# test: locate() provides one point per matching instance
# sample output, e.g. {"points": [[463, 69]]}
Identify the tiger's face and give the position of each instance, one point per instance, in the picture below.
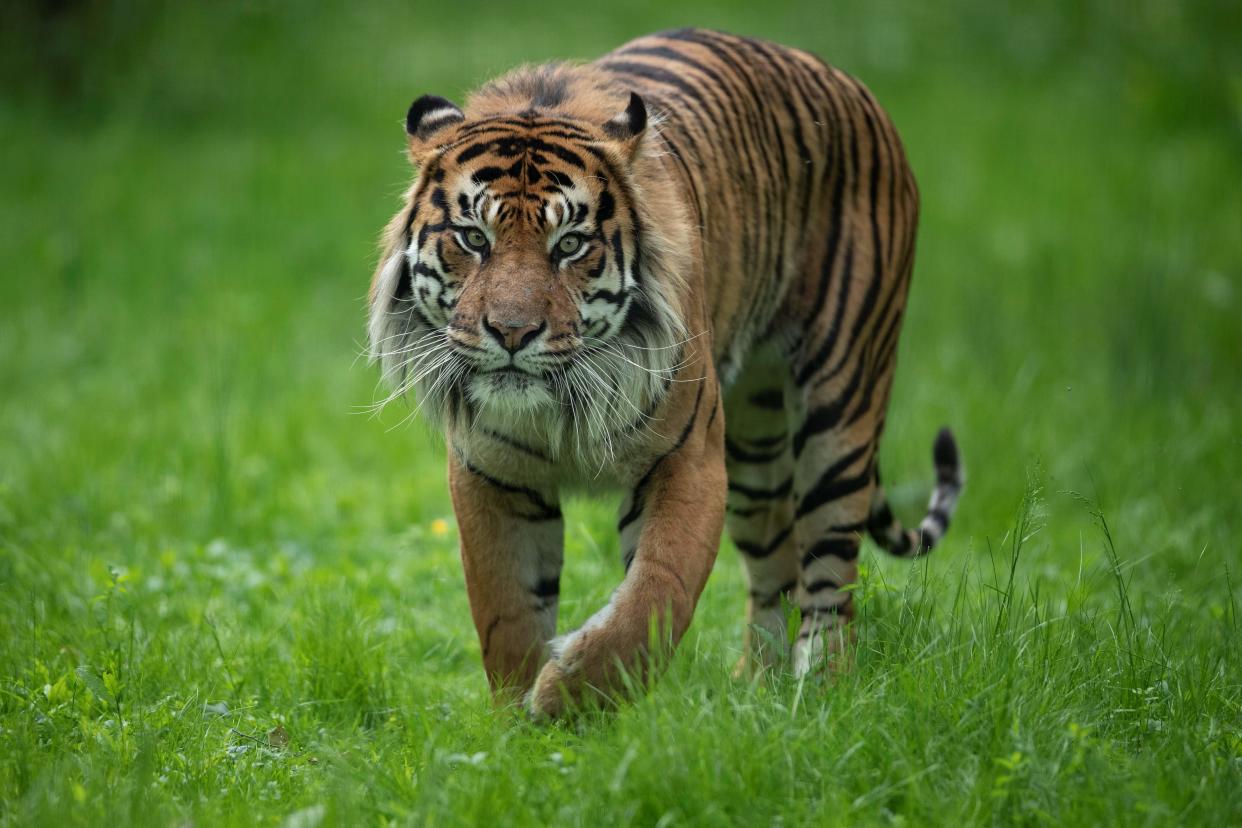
{"points": [[519, 256], [514, 281]]}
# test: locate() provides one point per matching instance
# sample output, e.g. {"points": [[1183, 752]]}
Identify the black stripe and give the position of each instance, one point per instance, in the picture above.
{"points": [[775, 598], [618, 252], [606, 206], [828, 491], [831, 486], [544, 510], [566, 155], [939, 517], [715, 408], [813, 363], [423, 269], [516, 445], [611, 297], [857, 527], [742, 455], [812, 610], [860, 406], [881, 519], [824, 417], [775, 441], [750, 493], [559, 178], [761, 551], [770, 398], [627, 194], [640, 489], [844, 548], [839, 168], [547, 588], [486, 175], [472, 152], [405, 283]]}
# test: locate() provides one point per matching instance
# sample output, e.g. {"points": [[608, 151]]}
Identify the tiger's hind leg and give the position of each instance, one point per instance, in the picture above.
{"points": [[850, 303], [760, 510], [839, 405], [834, 449]]}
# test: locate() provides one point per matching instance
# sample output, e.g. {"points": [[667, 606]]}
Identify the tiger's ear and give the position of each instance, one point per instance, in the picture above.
{"points": [[427, 117], [629, 125]]}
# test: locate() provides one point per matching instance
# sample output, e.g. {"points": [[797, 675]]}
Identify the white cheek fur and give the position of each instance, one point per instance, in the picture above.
{"points": [[381, 325]]}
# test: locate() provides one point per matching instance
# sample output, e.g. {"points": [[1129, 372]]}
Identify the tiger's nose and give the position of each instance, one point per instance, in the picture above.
{"points": [[512, 334]]}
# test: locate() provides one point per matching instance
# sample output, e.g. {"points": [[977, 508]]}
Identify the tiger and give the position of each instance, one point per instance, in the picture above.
{"points": [[677, 273]]}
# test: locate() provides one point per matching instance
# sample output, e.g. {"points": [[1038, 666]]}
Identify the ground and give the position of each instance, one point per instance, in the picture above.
{"points": [[231, 595]]}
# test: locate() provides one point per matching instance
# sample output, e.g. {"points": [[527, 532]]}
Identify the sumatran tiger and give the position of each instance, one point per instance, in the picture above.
{"points": [[679, 272]]}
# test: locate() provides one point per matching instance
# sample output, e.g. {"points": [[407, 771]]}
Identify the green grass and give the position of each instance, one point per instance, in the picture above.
{"points": [[202, 538]]}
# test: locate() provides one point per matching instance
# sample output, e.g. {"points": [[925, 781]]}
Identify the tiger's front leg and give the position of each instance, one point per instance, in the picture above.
{"points": [[511, 549], [676, 512]]}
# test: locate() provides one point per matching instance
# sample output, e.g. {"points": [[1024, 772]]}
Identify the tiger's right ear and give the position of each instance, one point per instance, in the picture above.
{"points": [[426, 117]]}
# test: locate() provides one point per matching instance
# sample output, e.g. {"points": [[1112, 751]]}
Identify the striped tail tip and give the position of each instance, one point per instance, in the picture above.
{"points": [[945, 455], [887, 530], [949, 482]]}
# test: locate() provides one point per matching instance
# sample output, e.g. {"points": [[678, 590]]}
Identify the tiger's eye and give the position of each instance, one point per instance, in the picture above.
{"points": [[476, 238], [570, 244]]}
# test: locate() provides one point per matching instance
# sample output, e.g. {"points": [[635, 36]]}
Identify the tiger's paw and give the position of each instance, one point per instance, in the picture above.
{"points": [[608, 659], [560, 682], [824, 652], [583, 669], [548, 698]]}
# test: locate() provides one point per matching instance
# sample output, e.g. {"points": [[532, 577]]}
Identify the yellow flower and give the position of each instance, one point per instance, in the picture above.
{"points": [[439, 527]]}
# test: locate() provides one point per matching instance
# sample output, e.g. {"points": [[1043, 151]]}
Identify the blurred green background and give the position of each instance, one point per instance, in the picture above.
{"points": [[195, 505]]}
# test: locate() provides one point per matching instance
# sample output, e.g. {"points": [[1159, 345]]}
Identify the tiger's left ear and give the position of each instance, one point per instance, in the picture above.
{"points": [[427, 117], [629, 125]]}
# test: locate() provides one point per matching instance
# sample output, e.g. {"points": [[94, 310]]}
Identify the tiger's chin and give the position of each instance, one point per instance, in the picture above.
{"points": [[510, 390]]}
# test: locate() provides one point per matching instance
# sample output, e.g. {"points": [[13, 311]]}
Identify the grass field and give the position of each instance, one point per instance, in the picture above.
{"points": [[205, 540]]}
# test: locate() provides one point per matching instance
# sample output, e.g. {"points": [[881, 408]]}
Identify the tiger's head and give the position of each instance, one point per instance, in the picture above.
{"points": [[532, 274]]}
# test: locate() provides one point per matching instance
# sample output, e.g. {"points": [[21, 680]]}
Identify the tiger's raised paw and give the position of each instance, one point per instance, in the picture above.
{"points": [[548, 698]]}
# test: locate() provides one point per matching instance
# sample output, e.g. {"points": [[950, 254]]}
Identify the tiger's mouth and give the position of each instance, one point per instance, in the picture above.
{"points": [[512, 376], [510, 387]]}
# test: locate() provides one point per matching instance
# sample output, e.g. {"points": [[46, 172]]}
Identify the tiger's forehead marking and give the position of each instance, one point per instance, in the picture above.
{"points": [[530, 156], [529, 170]]}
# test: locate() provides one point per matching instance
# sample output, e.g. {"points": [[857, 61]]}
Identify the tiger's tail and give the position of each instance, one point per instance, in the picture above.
{"points": [[887, 530]]}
